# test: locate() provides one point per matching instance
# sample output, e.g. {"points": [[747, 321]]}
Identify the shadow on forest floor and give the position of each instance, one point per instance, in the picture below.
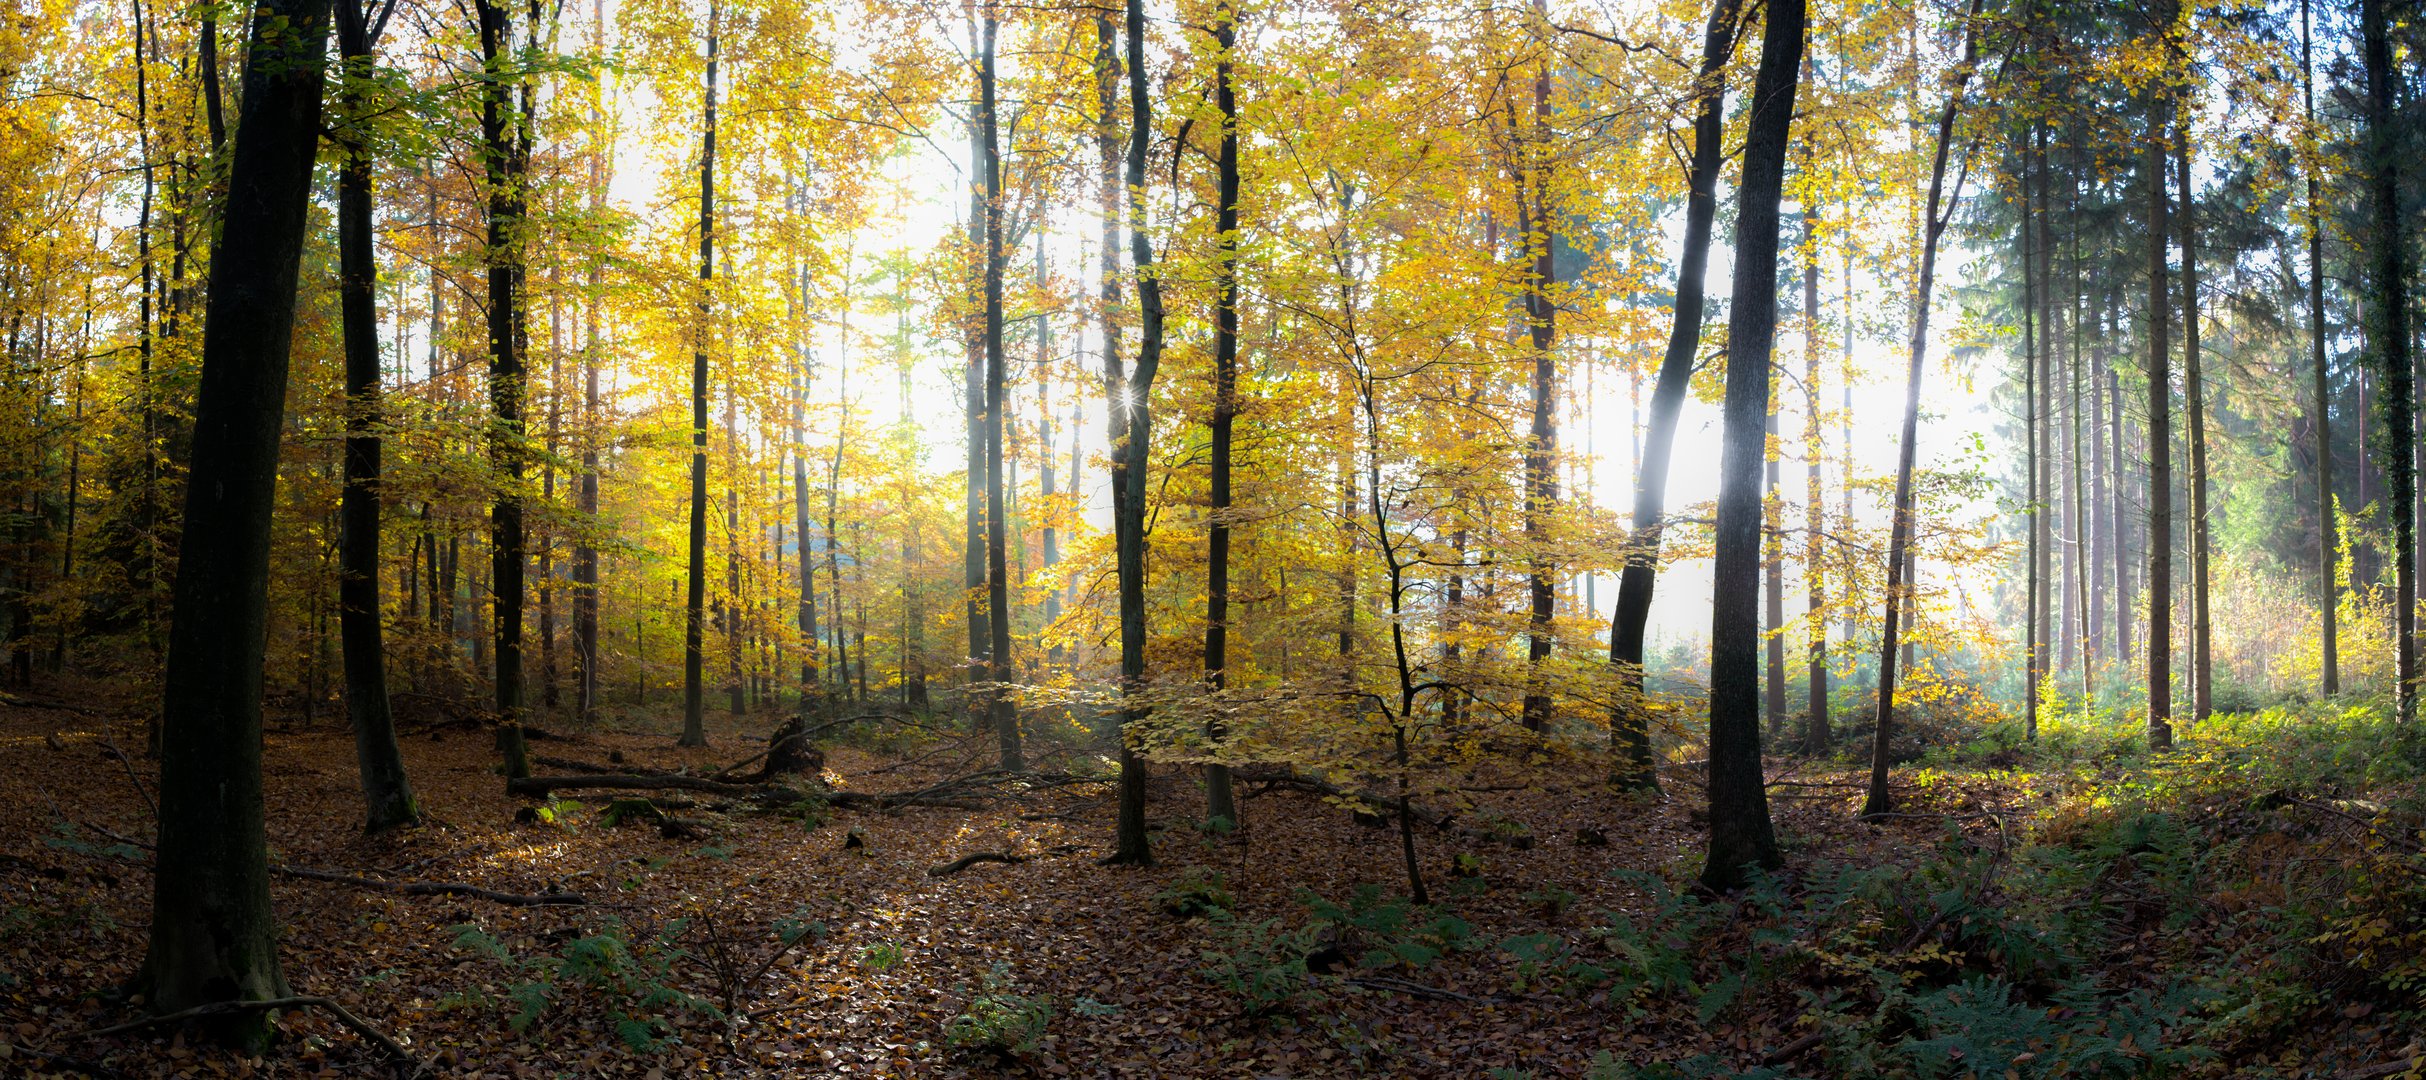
{"points": [[2251, 905]]}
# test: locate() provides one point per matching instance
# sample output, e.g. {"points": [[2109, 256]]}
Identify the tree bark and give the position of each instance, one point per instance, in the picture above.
{"points": [[1740, 834], [2202, 666], [2034, 655], [2388, 276], [2158, 316], [505, 157], [1220, 804], [694, 629], [387, 796], [1629, 721], [1003, 710], [1133, 426], [1541, 446], [1816, 736], [213, 937], [2329, 589], [1899, 535]]}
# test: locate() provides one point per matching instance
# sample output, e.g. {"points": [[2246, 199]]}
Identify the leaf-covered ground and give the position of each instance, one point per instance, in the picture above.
{"points": [[1254, 954]]}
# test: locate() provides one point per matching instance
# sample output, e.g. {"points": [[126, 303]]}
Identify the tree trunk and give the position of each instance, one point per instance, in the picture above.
{"points": [[1132, 414], [694, 629], [1740, 835], [1130, 845], [1219, 804], [1004, 710], [505, 154], [387, 797], [1629, 720], [2388, 277], [2202, 666], [1541, 446], [1816, 736], [2329, 589], [1899, 535], [2034, 655], [1773, 576], [2158, 315], [585, 551], [213, 937]]}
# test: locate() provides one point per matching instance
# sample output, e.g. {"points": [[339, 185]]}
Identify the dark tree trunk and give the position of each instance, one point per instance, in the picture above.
{"points": [[1219, 804], [1130, 845], [213, 937], [505, 155], [1629, 720], [812, 692], [1132, 414], [585, 550], [694, 627], [2329, 589], [2158, 317], [1899, 534], [2034, 655], [388, 798], [2202, 666], [1541, 446], [2121, 515], [2388, 280], [1740, 835]]}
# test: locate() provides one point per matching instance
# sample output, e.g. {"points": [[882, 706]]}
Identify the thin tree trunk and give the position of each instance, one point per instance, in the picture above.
{"points": [[694, 629], [1899, 535], [387, 797], [1004, 710], [213, 937], [1219, 804], [585, 551], [2034, 656], [1740, 834], [1773, 577], [1541, 447], [1816, 735], [2158, 316], [2202, 666], [1629, 720], [1129, 401], [2329, 589]]}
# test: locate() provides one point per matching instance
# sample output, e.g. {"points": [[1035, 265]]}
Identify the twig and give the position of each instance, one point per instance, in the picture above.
{"points": [[1794, 1049], [131, 777], [1419, 990], [89, 1068], [2395, 837], [2409, 1064], [343, 1015]]}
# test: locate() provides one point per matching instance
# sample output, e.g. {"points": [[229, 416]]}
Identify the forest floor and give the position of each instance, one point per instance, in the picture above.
{"points": [[1956, 940]]}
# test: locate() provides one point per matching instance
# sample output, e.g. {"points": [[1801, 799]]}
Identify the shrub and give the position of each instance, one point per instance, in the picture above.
{"points": [[998, 1022]]}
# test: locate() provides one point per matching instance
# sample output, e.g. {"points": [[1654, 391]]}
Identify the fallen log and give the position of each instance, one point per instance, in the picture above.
{"points": [[971, 859], [434, 888], [543, 786], [595, 769]]}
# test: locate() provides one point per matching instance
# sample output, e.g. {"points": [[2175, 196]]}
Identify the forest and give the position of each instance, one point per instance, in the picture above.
{"points": [[1265, 538]]}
